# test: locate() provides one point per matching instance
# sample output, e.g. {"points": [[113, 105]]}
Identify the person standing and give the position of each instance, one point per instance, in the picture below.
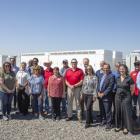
{"points": [[86, 64], [62, 73], [7, 88], [125, 88], [89, 93], [104, 91], [36, 86], [99, 74], [15, 69], [135, 97], [22, 78], [74, 78], [56, 90], [47, 73]]}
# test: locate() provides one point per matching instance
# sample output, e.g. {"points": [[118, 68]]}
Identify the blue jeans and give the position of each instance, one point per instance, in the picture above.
{"points": [[37, 103], [46, 102], [6, 103], [1, 96]]}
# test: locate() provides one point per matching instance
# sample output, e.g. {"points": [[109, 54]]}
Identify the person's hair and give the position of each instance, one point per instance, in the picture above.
{"points": [[136, 63], [93, 72], [107, 65], [126, 68], [24, 63], [86, 59], [3, 67], [57, 68], [74, 60], [30, 62], [35, 59], [117, 63], [37, 68]]}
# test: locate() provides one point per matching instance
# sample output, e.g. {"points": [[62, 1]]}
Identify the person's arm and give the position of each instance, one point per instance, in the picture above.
{"points": [[79, 84], [67, 83], [14, 87], [27, 79], [132, 89], [138, 81], [81, 80], [48, 88], [95, 88], [64, 87], [3, 86], [29, 85], [132, 86]]}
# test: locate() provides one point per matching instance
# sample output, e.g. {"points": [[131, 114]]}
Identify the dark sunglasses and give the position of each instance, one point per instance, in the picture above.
{"points": [[7, 65]]}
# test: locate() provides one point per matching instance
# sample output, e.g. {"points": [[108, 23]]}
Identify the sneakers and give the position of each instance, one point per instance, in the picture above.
{"points": [[41, 117], [9, 117], [5, 118]]}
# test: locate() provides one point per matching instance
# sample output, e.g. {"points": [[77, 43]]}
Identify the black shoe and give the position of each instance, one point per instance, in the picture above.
{"points": [[69, 119], [108, 128], [87, 126]]}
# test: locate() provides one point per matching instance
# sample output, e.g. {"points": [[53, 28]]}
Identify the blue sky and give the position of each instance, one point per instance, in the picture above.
{"points": [[52, 25]]}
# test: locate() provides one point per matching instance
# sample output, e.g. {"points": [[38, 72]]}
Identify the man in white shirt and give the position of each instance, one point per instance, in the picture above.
{"points": [[22, 78]]}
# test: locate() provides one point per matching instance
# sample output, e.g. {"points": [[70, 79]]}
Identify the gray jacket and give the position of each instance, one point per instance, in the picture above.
{"points": [[89, 85]]}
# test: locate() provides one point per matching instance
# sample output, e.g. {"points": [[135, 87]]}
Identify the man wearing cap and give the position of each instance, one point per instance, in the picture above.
{"points": [[15, 69], [62, 73], [74, 78], [134, 75], [47, 73]]}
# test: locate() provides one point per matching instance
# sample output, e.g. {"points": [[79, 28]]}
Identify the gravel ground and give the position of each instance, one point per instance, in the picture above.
{"points": [[28, 128]]}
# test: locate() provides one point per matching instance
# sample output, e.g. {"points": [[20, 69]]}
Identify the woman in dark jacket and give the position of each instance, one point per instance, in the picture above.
{"points": [[125, 88]]}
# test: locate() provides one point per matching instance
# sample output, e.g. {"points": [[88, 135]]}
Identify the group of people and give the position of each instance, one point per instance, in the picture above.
{"points": [[117, 92]]}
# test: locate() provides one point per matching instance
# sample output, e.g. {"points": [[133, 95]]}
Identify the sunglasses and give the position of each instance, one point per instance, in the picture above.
{"points": [[7, 65], [89, 69]]}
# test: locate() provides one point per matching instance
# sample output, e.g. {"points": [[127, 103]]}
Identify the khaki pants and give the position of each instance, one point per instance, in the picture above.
{"points": [[71, 94]]}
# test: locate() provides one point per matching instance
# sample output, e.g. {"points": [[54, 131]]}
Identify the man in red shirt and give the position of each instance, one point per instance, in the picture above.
{"points": [[133, 75], [47, 73], [74, 78]]}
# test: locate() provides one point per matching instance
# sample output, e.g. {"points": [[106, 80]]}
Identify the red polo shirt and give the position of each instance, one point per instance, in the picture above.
{"points": [[74, 76], [47, 74], [133, 75]]}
